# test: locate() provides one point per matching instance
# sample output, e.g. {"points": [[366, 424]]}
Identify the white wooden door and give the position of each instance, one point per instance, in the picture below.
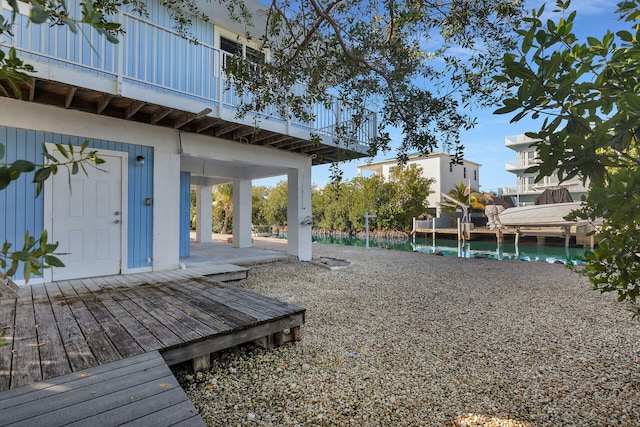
{"points": [[86, 220]]}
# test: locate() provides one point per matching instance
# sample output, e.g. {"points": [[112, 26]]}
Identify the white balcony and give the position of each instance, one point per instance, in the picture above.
{"points": [[518, 140], [156, 76]]}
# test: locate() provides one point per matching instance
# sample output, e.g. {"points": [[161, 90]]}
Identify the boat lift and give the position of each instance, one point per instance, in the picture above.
{"points": [[464, 226]]}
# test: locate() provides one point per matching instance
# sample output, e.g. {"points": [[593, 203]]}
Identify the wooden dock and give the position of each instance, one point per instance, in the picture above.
{"points": [[74, 326], [512, 233]]}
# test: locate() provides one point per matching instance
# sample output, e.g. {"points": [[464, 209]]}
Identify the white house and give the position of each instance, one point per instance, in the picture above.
{"points": [[157, 108], [526, 189], [436, 166]]}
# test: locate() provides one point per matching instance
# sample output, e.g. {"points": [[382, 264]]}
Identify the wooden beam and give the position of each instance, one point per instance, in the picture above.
{"points": [[159, 115], [205, 124], [261, 136], [277, 139], [133, 108], [175, 355], [243, 132], [189, 117], [68, 97], [221, 130], [103, 102], [201, 363], [286, 143]]}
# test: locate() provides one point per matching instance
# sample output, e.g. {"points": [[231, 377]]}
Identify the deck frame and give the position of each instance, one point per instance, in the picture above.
{"points": [[74, 325]]}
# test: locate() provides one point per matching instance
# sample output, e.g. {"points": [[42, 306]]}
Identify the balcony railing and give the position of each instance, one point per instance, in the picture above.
{"points": [[520, 165], [158, 59], [537, 188], [515, 140]]}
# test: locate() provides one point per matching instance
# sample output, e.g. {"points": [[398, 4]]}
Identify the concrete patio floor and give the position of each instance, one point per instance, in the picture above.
{"points": [[219, 251]]}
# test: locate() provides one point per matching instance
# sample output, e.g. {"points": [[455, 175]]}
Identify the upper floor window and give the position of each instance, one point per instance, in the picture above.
{"points": [[450, 167], [475, 175], [464, 172], [235, 47], [230, 46]]}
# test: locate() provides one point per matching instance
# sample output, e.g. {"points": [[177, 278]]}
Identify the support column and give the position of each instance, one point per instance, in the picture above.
{"points": [[166, 212], [299, 213], [242, 213], [204, 199]]}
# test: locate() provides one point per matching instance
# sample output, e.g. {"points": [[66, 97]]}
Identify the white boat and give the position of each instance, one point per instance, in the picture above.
{"points": [[551, 215]]}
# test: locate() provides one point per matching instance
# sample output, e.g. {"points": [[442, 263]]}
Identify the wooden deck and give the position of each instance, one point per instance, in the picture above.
{"points": [[71, 326], [139, 390]]}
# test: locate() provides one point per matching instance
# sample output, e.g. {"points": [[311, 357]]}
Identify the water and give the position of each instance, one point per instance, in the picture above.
{"points": [[528, 251]]}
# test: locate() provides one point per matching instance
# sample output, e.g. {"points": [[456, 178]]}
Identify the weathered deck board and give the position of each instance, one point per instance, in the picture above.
{"points": [[7, 320], [143, 337], [140, 311], [74, 325], [127, 346], [131, 390], [52, 353], [25, 365], [77, 350], [102, 348], [154, 293]]}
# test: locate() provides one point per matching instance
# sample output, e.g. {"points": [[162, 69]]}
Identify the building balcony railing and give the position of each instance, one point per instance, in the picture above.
{"points": [[518, 166], [573, 186], [516, 140], [155, 64]]}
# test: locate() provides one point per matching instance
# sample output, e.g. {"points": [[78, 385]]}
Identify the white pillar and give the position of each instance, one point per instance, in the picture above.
{"points": [[299, 213], [204, 198], [242, 213], [166, 212]]}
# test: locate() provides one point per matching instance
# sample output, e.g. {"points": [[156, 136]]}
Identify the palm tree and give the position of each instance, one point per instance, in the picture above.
{"points": [[473, 199], [223, 199]]}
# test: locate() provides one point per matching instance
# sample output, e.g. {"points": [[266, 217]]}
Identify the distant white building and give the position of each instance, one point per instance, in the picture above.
{"points": [[527, 189], [436, 166]]}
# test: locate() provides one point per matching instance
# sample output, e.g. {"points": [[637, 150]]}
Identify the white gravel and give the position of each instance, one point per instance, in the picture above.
{"points": [[411, 339]]}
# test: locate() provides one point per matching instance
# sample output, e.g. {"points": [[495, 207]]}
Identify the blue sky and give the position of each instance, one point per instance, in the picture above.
{"points": [[485, 143]]}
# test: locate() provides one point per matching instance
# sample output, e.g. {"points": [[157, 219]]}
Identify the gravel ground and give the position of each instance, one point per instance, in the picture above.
{"points": [[411, 339]]}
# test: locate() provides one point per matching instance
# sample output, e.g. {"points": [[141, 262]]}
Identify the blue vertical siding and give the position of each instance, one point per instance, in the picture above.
{"points": [[185, 213], [21, 210]]}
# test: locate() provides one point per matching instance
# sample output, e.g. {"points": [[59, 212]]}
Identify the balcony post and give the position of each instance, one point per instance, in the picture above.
{"points": [[120, 47], [299, 223]]}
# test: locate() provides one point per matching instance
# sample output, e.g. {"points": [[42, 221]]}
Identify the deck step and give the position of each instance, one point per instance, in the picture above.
{"points": [[138, 390], [218, 272]]}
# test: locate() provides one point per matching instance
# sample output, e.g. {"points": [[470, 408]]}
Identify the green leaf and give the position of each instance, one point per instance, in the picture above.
{"points": [[22, 166], [53, 261], [38, 14], [42, 175], [21, 255], [62, 150], [5, 177], [633, 101], [27, 271]]}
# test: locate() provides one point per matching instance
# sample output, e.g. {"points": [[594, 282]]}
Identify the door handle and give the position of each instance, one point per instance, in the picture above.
{"points": [[117, 221]]}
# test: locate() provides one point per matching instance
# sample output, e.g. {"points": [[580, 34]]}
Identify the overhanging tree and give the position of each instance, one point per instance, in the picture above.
{"points": [[399, 57], [588, 92]]}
